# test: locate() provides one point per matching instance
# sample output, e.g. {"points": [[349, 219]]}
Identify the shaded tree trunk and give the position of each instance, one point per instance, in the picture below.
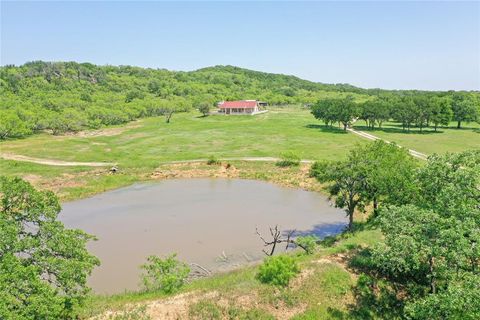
{"points": [[351, 209], [459, 123], [375, 206], [168, 116]]}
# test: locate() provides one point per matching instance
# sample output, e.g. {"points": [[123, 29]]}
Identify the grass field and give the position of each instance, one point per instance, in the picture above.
{"points": [[189, 136], [139, 148], [428, 141]]}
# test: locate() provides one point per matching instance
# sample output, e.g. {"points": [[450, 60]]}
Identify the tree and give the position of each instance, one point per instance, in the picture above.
{"points": [[405, 111], [414, 247], [329, 111], [69, 120], [465, 109], [441, 112], [458, 301], [423, 111], [430, 252], [43, 266], [347, 111], [204, 108], [374, 112], [134, 94], [11, 125], [389, 173], [168, 107], [325, 110], [346, 184], [374, 173]]}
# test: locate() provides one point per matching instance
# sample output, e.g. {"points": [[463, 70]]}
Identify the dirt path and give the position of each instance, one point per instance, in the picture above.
{"points": [[53, 162], [369, 136], [264, 159]]}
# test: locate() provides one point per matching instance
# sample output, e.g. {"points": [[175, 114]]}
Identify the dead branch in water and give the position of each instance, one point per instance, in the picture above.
{"points": [[197, 271], [276, 235]]}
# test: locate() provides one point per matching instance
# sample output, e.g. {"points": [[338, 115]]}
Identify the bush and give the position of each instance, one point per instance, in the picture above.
{"points": [[278, 270], [212, 160], [205, 310], [307, 243], [166, 275], [204, 108], [288, 159]]}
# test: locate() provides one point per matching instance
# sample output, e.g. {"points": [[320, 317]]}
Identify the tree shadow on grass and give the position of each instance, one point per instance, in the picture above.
{"points": [[398, 129], [324, 128], [374, 297], [320, 230]]}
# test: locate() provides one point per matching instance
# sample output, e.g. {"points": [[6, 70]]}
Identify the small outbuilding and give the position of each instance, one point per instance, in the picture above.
{"points": [[250, 107]]}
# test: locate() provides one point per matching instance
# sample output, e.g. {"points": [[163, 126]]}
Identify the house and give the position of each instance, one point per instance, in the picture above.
{"points": [[250, 107]]}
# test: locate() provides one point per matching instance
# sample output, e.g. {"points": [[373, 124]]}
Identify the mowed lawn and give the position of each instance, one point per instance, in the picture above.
{"points": [[428, 141], [190, 136]]}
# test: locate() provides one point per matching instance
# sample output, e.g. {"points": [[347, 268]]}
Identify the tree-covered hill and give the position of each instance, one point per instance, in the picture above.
{"points": [[69, 96]]}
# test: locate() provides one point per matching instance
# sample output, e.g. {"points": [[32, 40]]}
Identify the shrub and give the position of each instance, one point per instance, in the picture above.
{"points": [[278, 270], [288, 159], [212, 160], [205, 309], [166, 275], [204, 108], [307, 243]]}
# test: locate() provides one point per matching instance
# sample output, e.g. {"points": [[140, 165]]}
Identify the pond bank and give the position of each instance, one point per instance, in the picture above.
{"points": [[78, 183], [208, 221]]}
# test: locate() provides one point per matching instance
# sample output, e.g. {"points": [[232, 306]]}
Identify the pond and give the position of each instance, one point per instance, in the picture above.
{"points": [[210, 222]]}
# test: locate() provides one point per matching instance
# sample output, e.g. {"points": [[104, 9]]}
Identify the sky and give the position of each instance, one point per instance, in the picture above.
{"points": [[391, 45]]}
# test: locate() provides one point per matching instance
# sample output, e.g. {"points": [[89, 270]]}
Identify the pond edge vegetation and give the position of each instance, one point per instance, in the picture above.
{"points": [[393, 280]]}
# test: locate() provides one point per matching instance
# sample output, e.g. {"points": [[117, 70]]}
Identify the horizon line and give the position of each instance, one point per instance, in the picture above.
{"points": [[229, 65]]}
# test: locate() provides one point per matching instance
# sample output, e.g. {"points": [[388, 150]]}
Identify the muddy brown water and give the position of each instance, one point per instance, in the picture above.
{"points": [[210, 222]]}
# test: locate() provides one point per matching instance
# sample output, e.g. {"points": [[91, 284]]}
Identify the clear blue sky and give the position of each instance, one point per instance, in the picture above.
{"points": [[402, 45]]}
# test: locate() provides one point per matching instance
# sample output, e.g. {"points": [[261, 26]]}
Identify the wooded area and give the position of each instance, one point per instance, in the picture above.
{"points": [[64, 97]]}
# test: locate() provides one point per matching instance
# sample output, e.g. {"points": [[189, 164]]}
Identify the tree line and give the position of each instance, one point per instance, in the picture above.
{"points": [[60, 97], [420, 110], [427, 266]]}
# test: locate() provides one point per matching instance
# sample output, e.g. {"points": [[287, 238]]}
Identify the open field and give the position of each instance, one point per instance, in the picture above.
{"points": [[142, 148], [429, 142], [189, 136]]}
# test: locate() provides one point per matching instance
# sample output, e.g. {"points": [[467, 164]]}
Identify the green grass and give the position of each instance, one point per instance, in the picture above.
{"points": [[190, 136], [428, 141], [139, 148]]}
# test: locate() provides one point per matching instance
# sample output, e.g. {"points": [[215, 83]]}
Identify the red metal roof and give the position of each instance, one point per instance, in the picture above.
{"points": [[242, 104]]}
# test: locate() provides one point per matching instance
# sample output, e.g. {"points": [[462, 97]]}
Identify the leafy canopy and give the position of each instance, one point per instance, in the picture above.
{"points": [[43, 266], [431, 251], [278, 270], [373, 173], [166, 275]]}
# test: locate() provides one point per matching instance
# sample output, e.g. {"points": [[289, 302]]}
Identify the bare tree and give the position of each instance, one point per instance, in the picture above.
{"points": [[278, 238]]}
